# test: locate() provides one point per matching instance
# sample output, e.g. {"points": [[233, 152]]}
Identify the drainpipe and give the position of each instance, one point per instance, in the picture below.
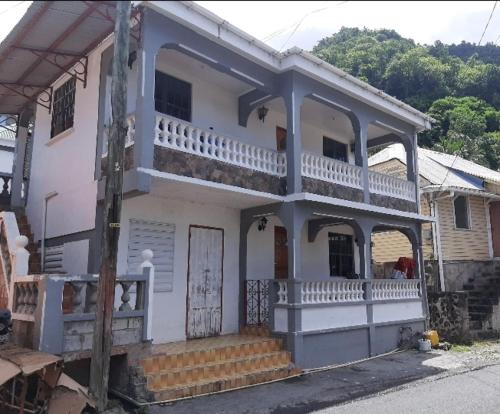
{"points": [[436, 231], [44, 228], [488, 227]]}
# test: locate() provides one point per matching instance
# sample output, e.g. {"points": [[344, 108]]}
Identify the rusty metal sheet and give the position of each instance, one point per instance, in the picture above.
{"points": [[8, 370], [27, 360], [69, 397]]}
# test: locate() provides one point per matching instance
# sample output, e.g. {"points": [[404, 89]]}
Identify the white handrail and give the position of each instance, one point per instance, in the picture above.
{"points": [[182, 136], [390, 185], [332, 291], [392, 289], [331, 170]]}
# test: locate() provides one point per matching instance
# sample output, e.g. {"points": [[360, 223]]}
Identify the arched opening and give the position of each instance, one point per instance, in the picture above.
{"points": [[390, 153], [394, 254]]}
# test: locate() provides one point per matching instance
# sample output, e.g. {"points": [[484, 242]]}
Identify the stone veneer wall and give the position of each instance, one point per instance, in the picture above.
{"points": [[394, 203], [129, 160], [449, 315], [188, 165], [311, 185]]}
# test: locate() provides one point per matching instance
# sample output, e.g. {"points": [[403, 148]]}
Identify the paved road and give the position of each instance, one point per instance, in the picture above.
{"points": [[472, 392], [315, 391]]}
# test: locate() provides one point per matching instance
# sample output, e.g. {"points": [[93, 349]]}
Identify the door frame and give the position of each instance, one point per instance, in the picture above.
{"points": [[189, 273]]}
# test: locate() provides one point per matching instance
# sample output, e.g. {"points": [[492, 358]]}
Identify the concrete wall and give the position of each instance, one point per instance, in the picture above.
{"points": [[169, 313], [65, 163]]}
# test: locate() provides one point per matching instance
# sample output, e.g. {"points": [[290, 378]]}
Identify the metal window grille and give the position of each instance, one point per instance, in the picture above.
{"points": [[63, 108]]}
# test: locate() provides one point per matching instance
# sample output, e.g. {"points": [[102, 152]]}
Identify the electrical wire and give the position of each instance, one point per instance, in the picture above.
{"points": [[488, 22], [12, 7], [295, 25]]}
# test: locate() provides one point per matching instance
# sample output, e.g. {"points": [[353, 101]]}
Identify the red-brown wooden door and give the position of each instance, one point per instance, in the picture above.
{"points": [[280, 138], [495, 227], [280, 253]]}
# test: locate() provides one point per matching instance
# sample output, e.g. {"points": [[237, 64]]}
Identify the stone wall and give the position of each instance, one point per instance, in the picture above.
{"points": [[311, 185], [188, 165], [391, 202], [449, 315]]}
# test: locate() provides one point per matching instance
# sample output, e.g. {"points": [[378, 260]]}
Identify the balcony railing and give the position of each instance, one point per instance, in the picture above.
{"points": [[182, 136], [331, 170], [384, 289], [391, 186]]}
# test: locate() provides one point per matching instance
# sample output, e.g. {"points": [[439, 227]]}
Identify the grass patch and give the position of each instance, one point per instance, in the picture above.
{"points": [[477, 344]]}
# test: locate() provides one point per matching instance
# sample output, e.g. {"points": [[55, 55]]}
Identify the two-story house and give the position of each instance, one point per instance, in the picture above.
{"points": [[246, 174]]}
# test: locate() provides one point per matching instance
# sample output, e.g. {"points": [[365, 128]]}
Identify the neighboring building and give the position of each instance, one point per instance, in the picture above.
{"points": [[464, 240], [246, 174]]}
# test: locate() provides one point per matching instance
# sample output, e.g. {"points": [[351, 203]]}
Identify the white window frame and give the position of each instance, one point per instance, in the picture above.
{"points": [[469, 216]]}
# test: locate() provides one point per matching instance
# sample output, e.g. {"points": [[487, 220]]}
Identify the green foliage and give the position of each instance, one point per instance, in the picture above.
{"points": [[458, 85]]}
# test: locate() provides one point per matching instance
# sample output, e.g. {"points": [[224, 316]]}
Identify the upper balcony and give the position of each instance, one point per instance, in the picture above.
{"points": [[185, 149], [190, 118]]}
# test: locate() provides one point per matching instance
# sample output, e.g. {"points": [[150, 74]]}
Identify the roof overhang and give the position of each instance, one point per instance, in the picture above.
{"points": [[52, 38], [431, 189]]}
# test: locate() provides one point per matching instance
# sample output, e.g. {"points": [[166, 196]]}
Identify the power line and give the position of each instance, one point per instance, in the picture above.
{"points": [[12, 7], [295, 25], [488, 22]]}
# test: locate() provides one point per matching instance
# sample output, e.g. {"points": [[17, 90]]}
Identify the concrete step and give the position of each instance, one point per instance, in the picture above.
{"points": [[247, 346], [216, 371], [223, 384]]}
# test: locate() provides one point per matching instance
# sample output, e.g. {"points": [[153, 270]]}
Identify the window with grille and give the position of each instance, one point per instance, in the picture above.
{"points": [[172, 96], [341, 255], [461, 207], [63, 107]]}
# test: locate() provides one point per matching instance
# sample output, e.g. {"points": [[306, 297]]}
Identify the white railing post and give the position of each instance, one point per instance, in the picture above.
{"points": [[147, 264], [21, 257]]}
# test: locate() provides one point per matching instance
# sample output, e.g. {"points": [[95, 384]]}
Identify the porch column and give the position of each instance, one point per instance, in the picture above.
{"points": [[365, 263], [418, 256], [361, 154], [293, 217], [246, 221], [20, 158], [145, 108], [293, 96]]}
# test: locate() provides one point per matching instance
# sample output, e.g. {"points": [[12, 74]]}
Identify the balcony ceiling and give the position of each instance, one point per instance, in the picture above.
{"points": [[50, 38]]}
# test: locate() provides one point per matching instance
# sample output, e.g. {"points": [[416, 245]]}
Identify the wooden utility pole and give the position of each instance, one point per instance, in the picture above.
{"points": [[101, 347]]}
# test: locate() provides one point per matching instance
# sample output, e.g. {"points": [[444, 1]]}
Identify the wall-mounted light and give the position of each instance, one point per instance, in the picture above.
{"points": [[262, 224], [262, 112]]}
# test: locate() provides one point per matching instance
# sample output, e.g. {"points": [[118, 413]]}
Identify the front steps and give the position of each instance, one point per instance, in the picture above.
{"points": [[201, 366]]}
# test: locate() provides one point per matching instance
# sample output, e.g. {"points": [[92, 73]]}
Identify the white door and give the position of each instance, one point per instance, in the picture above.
{"points": [[204, 304]]}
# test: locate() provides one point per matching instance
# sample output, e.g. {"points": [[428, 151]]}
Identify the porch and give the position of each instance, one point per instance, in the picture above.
{"points": [[217, 116]]}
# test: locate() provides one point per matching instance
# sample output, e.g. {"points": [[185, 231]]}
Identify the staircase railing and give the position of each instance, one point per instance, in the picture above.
{"points": [[57, 329]]}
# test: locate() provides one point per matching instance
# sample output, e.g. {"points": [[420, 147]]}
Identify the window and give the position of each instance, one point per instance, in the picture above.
{"points": [[461, 207], [63, 107], [334, 149], [172, 96], [341, 255]]}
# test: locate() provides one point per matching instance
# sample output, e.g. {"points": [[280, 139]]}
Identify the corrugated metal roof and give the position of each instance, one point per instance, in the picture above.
{"points": [[465, 166], [435, 172], [68, 29]]}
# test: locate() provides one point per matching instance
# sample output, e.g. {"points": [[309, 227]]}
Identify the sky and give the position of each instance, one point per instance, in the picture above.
{"points": [[424, 22]]}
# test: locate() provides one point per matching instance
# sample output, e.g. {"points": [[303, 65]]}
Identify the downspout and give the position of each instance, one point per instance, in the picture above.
{"points": [[488, 227], [44, 228], [436, 230]]}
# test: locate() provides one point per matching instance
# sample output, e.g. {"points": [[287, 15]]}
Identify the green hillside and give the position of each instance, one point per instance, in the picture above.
{"points": [[458, 85]]}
